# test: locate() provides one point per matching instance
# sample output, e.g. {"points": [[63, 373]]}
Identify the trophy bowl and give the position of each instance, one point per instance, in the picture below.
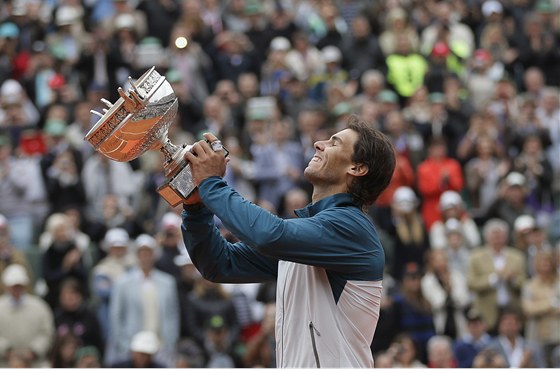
{"points": [[138, 122]]}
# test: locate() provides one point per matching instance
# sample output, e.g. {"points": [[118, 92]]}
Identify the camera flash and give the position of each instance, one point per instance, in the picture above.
{"points": [[181, 42]]}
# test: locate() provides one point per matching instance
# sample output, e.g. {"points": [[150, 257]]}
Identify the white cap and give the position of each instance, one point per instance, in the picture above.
{"points": [[453, 225], [145, 342], [11, 87], [147, 241], [170, 220], [450, 199], [3, 221], [331, 54], [405, 199], [524, 223], [15, 274], [67, 15], [280, 43], [116, 237], [491, 6], [515, 179], [125, 21]]}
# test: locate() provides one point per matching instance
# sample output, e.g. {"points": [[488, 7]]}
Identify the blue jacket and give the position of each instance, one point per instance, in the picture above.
{"points": [[328, 264]]}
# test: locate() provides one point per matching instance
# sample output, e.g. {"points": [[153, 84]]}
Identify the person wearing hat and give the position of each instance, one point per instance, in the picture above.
{"points": [[87, 357], [144, 299], [26, 321], [530, 237], [144, 345], [456, 248], [511, 200], [496, 272], [466, 347], [408, 230], [109, 270], [8, 253], [451, 205]]}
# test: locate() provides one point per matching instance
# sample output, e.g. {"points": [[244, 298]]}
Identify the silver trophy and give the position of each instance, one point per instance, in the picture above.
{"points": [[138, 122]]}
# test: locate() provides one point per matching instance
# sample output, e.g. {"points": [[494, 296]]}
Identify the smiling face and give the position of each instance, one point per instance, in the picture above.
{"points": [[332, 160]]}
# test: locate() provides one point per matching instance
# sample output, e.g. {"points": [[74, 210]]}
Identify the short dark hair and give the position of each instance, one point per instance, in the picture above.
{"points": [[375, 150]]}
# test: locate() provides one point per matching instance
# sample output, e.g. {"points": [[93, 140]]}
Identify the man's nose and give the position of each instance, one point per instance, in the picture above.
{"points": [[320, 145]]}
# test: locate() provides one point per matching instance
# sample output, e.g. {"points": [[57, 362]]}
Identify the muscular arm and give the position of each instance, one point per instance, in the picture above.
{"points": [[336, 232]]}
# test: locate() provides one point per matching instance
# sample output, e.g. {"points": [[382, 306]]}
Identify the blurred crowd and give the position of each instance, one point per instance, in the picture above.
{"points": [[93, 269]]}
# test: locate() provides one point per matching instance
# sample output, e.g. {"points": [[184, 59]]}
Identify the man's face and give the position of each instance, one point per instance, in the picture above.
{"points": [[332, 159]]}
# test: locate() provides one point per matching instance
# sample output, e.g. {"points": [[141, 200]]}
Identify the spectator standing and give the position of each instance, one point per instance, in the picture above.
{"points": [[517, 351], [496, 272], [26, 321], [467, 347], [144, 299]]}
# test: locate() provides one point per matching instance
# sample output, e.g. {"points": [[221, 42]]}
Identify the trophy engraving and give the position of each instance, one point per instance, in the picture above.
{"points": [[138, 122]]}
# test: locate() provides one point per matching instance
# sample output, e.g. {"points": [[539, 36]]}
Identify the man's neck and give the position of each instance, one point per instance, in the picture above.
{"points": [[320, 193]]}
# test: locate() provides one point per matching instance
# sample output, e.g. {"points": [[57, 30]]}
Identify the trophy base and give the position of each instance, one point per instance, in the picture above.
{"points": [[178, 187]]}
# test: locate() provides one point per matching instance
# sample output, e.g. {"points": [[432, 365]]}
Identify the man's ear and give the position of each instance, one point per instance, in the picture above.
{"points": [[358, 170]]}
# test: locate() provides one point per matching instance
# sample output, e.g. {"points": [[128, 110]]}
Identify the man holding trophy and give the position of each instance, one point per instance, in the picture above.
{"points": [[328, 262]]}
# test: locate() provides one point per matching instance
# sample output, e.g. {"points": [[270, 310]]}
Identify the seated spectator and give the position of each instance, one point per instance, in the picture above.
{"points": [[517, 351], [26, 321], [496, 272], [404, 352], [456, 249], [451, 205], [511, 200], [73, 316], [64, 350], [144, 299], [530, 238], [467, 347], [440, 353], [447, 293], [489, 359], [540, 300]]}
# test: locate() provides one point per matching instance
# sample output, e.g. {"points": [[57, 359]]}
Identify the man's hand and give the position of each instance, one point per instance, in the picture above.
{"points": [[205, 162]]}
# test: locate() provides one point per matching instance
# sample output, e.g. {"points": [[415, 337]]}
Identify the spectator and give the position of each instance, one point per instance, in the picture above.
{"points": [[144, 299], [397, 24], [510, 202], [540, 299], [413, 311], [87, 357], [451, 205], [404, 352], [64, 351], [489, 359], [467, 347], [530, 238], [447, 293], [440, 353], [74, 317], [26, 321], [456, 249], [496, 272], [437, 174], [108, 271], [516, 350], [407, 229]]}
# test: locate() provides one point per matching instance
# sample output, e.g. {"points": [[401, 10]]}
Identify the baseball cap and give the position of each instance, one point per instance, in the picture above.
{"points": [[405, 199], [67, 15], [147, 241], [331, 54], [280, 43], [482, 55], [490, 7], [116, 237], [170, 220], [216, 322], [450, 199], [515, 179], [15, 274], [524, 223], [145, 342]]}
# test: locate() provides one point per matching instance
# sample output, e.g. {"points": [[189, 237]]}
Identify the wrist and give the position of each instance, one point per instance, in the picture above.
{"points": [[193, 208]]}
